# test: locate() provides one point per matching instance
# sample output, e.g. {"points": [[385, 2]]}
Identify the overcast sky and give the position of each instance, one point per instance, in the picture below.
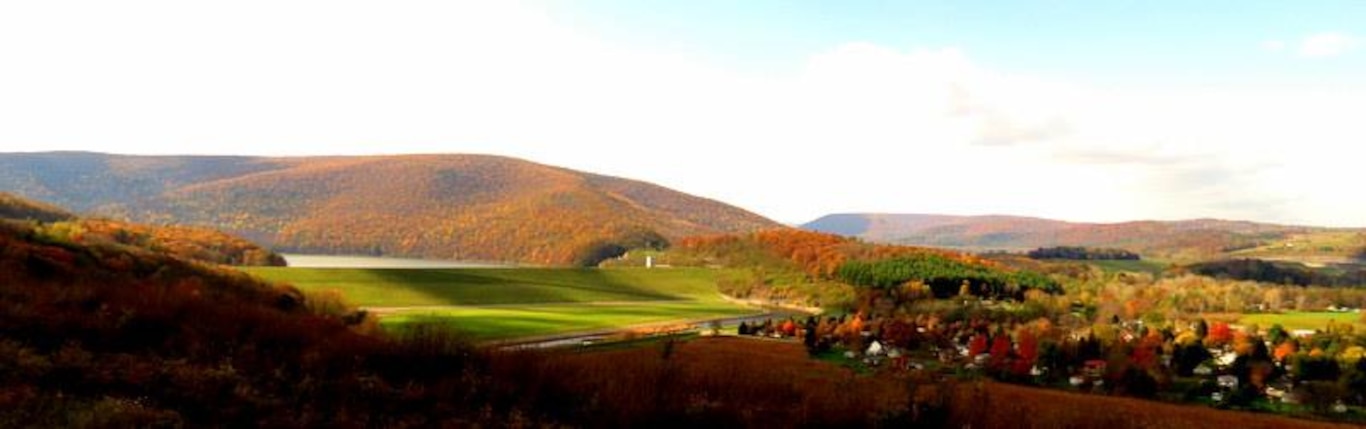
{"points": [[792, 109]]}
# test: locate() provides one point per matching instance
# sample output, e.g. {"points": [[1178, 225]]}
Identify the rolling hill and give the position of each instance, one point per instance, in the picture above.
{"points": [[471, 207], [1172, 240]]}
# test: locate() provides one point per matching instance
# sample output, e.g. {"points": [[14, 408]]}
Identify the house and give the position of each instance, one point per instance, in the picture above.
{"points": [[875, 349], [982, 359], [1228, 382], [1095, 368], [1225, 359], [1274, 393]]}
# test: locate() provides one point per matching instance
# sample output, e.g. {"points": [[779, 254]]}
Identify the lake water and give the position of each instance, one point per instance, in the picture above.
{"points": [[344, 261]]}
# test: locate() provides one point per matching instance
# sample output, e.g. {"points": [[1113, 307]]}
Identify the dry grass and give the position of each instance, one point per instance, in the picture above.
{"points": [[993, 405]]}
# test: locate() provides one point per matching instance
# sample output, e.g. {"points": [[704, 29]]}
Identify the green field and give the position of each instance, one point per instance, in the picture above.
{"points": [[532, 320], [1140, 266], [1300, 319], [1319, 247], [493, 303]]}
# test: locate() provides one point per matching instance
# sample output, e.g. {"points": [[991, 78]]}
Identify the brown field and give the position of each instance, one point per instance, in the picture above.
{"points": [[733, 381], [1025, 407], [725, 381]]}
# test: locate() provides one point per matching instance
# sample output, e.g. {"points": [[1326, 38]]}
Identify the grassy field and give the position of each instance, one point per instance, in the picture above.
{"points": [[1315, 248], [1300, 319], [496, 303], [1141, 266], [532, 320], [500, 286]]}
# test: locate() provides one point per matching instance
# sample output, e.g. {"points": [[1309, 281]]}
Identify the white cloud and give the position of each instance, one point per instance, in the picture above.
{"points": [[1326, 45], [860, 127], [1273, 45]]}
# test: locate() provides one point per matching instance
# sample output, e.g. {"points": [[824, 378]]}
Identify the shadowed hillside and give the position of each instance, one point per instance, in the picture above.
{"points": [[1177, 240], [14, 207], [186, 242], [102, 335], [435, 206]]}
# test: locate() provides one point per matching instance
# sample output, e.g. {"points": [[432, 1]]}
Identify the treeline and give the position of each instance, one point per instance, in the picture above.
{"points": [[816, 254], [1082, 253], [945, 277], [1286, 273], [818, 269]]}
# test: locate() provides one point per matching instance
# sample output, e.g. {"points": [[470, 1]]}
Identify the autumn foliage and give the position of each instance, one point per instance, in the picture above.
{"points": [[466, 207], [816, 254], [15, 207]]}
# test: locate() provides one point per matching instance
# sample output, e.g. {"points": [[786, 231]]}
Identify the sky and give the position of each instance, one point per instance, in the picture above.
{"points": [[1074, 110]]}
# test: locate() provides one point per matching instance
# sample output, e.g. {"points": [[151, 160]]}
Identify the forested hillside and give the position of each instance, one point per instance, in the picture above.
{"points": [[105, 335], [15, 207], [817, 269], [185, 242], [1189, 240], [435, 206]]}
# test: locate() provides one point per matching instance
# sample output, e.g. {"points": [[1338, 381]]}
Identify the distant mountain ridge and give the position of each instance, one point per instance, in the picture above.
{"points": [[1177, 240], [476, 207]]}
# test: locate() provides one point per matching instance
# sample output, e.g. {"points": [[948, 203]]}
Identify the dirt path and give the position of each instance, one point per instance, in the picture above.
{"points": [[771, 304]]}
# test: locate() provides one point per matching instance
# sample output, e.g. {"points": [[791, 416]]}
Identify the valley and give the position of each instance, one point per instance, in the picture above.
{"points": [[553, 214], [1240, 333]]}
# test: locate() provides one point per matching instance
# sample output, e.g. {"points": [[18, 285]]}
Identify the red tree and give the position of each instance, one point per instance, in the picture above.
{"points": [[1000, 350], [977, 346], [1219, 334], [1028, 349]]}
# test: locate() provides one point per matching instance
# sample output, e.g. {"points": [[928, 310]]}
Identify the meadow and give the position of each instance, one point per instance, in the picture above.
{"points": [[1140, 266], [1301, 319], [500, 303]]}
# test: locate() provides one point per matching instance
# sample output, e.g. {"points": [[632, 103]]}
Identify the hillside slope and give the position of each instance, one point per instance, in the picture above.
{"points": [[1176, 240], [103, 335], [185, 242], [434, 206], [15, 207]]}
